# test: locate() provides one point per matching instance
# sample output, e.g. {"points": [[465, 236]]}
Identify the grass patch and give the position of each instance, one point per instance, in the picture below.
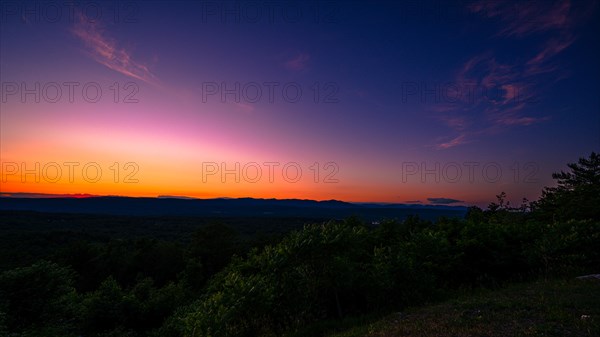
{"points": [[544, 308]]}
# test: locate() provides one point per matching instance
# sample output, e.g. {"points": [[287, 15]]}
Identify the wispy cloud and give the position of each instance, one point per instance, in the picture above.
{"points": [[499, 97], [458, 140], [521, 120], [105, 50], [298, 62], [552, 48], [443, 201], [506, 91], [522, 18]]}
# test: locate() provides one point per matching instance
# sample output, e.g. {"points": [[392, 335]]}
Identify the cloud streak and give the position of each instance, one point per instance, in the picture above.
{"points": [[524, 18], [458, 140], [105, 50], [443, 201], [506, 91]]}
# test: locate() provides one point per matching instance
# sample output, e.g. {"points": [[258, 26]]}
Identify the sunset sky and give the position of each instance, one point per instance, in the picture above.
{"points": [[405, 102]]}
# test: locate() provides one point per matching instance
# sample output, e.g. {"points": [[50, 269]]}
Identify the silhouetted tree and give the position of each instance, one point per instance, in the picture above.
{"points": [[38, 300], [577, 194], [214, 245]]}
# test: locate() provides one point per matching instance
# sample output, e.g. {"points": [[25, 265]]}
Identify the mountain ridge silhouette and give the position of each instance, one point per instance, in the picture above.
{"points": [[225, 207]]}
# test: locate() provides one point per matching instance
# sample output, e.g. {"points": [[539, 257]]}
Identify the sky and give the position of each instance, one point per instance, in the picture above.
{"points": [[432, 102]]}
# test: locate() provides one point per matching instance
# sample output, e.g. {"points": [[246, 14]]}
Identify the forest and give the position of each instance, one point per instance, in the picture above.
{"points": [[211, 278]]}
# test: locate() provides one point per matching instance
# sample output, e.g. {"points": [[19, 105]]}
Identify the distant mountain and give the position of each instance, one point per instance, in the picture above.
{"points": [[225, 207], [174, 197], [413, 206]]}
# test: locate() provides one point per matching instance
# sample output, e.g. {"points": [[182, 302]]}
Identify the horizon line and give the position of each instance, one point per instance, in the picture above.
{"points": [[34, 195]]}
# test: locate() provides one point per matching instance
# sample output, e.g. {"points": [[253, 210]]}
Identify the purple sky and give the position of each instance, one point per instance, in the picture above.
{"points": [[435, 101]]}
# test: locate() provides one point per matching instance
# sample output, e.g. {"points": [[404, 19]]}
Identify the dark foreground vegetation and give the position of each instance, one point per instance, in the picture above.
{"points": [[218, 283], [554, 308]]}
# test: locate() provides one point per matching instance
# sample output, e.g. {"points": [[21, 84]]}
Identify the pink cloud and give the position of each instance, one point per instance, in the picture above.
{"points": [[519, 121], [520, 19], [500, 94], [552, 47], [461, 139], [505, 91], [524, 121], [511, 91], [527, 17], [495, 84], [104, 50], [298, 63]]}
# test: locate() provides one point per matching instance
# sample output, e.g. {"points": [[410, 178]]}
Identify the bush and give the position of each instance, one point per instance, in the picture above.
{"points": [[39, 300]]}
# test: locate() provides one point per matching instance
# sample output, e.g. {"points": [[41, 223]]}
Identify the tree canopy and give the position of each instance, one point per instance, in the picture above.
{"points": [[577, 194]]}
